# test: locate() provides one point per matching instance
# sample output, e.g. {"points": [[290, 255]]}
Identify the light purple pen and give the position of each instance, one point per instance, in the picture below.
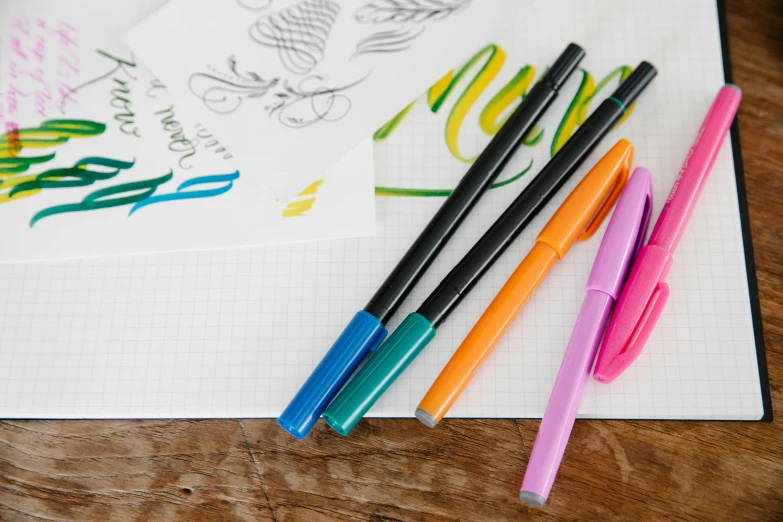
{"points": [[622, 240]]}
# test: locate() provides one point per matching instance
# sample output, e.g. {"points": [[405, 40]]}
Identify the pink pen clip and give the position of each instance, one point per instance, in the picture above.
{"points": [[646, 292], [622, 240]]}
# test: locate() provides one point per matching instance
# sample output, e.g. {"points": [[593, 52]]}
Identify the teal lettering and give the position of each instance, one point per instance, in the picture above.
{"points": [[116, 196], [77, 176], [181, 193]]}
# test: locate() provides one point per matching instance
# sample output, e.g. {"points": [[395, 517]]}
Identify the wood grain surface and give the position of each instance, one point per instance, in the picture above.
{"points": [[464, 470]]}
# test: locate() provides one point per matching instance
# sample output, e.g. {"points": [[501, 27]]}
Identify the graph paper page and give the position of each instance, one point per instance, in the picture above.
{"points": [[234, 333]]}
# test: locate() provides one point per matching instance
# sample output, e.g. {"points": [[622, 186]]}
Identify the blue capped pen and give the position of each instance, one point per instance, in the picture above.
{"points": [[366, 330]]}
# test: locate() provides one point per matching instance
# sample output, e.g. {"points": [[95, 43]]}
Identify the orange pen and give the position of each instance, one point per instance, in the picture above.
{"points": [[578, 218]]}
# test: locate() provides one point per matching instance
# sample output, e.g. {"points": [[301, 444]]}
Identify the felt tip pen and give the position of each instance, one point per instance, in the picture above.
{"points": [[418, 328], [578, 218], [622, 240], [646, 292], [366, 330]]}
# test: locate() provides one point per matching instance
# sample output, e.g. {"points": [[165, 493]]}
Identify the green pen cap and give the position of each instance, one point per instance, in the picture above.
{"points": [[379, 373]]}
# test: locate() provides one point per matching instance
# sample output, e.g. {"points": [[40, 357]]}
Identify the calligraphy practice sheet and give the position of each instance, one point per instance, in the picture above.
{"points": [[235, 333], [98, 158], [295, 84]]}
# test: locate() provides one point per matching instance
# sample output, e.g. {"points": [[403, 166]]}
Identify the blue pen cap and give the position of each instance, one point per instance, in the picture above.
{"points": [[362, 335]]}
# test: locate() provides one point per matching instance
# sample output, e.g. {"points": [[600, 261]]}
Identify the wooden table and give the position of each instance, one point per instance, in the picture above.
{"points": [[464, 470]]}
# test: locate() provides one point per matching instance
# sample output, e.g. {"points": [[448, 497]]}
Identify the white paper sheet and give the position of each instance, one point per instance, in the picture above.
{"points": [[296, 84], [235, 333], [70, 90]]}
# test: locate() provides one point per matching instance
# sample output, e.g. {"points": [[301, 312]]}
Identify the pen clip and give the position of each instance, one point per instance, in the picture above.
{"points": [[620, 173], [638, 308], [590, 201], [652, 308], [644, 327]]}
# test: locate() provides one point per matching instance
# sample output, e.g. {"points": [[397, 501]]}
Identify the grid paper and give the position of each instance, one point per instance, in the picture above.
{"points": [[234, 333]]}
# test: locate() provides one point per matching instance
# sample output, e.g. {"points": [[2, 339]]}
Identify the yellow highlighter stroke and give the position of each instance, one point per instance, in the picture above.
{"points": [[303, 202], [487, 63]]}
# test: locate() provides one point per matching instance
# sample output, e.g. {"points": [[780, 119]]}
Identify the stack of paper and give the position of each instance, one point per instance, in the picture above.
{"points": [[294, 84], [226, 125]]}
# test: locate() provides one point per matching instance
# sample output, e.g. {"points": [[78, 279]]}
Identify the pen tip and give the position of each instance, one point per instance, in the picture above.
{"points": [[426, 419], [735, 87], [534, 499]]}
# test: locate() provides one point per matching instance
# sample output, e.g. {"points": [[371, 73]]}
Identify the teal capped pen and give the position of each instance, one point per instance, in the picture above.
{"points": [[371, 382]]}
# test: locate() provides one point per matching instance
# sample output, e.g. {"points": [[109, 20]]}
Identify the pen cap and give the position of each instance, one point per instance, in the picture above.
{"points": [[565, 64], [633, 86], [624, 235], [383, 368], [363, 334], [640, 304], [582, 212]]}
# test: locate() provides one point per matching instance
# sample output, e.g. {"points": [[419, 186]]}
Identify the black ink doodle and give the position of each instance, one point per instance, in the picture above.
{"points": [[404, 11], [298, 33], [392, 41], [296, 105], [223, 93]]}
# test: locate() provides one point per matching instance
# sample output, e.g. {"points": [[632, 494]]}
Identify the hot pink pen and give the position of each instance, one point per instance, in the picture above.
{"points": [[646, 291], [623, 237]]}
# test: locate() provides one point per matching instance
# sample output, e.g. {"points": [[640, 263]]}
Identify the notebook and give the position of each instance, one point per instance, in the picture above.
{"points": [[234, 333]]}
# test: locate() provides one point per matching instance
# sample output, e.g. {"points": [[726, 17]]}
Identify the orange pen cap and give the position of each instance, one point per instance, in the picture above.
{"points": [[577, 219], [583, 211]]}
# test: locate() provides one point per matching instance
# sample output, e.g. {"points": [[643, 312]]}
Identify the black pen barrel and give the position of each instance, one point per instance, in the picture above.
{"points": [[529, 203], [473, 184]]}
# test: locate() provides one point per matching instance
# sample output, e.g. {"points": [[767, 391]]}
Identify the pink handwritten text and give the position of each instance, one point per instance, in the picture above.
{"points": [[41, 64]]}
